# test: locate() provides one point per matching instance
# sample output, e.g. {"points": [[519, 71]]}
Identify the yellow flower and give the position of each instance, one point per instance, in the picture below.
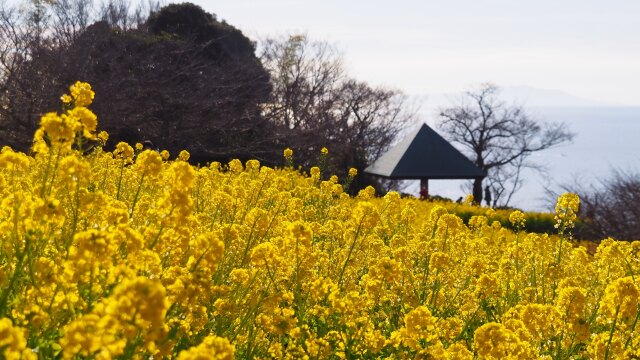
{"points": [[74, 169], [419, 329], [572, 301], [302, 232], [104, 136], [252, 165], [439, 260], [87, 118], [40, 145], [124, 151], [235, 166], [140, 304], [153, 259], [436, 212], [12, 160], [278, 321], [150, 163], [66, 99], [603, 343], [211, 348], [566, 209], [184, 155], [487, 287], [82, 93], [12, 341], [620, 299], [494, 341], [265, 255], [386, 269], [459, 352], [239, 276], [365, 215], [207, 250], [542, 321], [324, 151], [367, 193], [420, 322], [91, 334], [478, 222], [468, 199], [60, 129], [449, 225], [517, 219]]}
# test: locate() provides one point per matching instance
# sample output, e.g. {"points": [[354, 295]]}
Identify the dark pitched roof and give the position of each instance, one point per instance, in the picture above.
{"points": [[424, 154]]}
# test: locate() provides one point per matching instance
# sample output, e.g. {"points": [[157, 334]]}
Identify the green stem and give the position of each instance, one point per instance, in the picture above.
{"points": [[353, 245], [248, 246], [271, 276], [14, 277], [55, 170], [613, 328], [560, 249], [157, 237], [633, 327], [46, 174], [120, 180], [135, 198]]}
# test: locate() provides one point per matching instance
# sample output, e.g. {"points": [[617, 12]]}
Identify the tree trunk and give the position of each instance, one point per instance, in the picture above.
{"points": [[477, 191]]}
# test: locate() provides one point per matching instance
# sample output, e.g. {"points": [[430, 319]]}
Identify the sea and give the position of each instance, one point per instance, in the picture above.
{"points": [[607, 139]]}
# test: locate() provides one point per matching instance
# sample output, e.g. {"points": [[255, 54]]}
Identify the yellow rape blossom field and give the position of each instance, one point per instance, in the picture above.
{"points": [[129, 255]]}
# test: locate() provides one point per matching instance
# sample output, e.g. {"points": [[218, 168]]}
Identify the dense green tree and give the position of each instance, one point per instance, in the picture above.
{"points": [[196, 88], [182, 80]]}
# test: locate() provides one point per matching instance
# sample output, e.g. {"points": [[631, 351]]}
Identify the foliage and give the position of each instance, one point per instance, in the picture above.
{"points": [[127, 254], [179, 80], [537, 222], [499, 139]]}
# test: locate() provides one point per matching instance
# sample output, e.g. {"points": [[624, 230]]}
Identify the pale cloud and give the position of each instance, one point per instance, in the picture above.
{"points": [[588, 48]]}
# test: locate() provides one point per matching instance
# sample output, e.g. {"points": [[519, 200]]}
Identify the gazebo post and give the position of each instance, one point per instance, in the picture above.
{"points": [[424, 188], [477, 190]]}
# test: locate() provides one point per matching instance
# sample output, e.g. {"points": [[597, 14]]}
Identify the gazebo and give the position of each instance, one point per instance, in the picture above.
{"points": [[424, 155]]}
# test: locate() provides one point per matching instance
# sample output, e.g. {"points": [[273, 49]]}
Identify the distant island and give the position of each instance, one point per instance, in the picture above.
{"points": [[528, 96]]}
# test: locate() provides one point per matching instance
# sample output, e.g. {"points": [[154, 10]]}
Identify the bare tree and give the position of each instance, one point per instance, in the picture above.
{"points": [[505, 181], [499, 138], [70, 18], [609, 207], [305, 76], [121, 14], [316, 101], [372, 116], [23, 38], [34, 37]]}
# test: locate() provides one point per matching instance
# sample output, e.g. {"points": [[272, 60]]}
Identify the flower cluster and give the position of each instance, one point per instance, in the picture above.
{"points": [[517, 219], [566, 211], [128, 254]]}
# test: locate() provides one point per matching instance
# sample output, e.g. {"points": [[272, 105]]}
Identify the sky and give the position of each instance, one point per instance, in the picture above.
{"points": [[590, 49]]}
